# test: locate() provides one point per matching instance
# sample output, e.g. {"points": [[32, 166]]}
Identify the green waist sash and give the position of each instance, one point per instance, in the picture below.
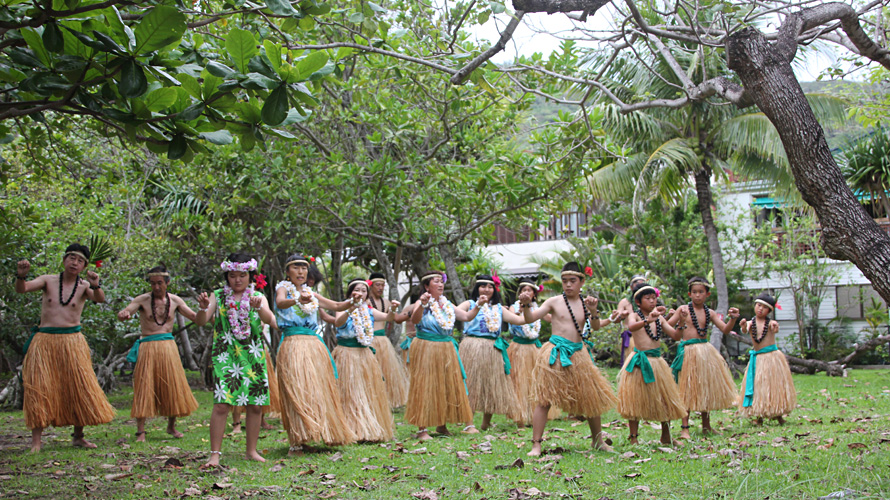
{"points": [[641, 359], [435, 337], [405, 345], [133, 355], [565, 348], [380, 333], [525, 341], [500, 344], [302, 330], [677, 365], [51, 330], [752, 369], [353, 342]]}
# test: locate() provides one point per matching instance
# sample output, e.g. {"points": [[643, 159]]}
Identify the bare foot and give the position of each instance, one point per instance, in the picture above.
{"points": [[758, 421], [254, 456], [443, 430], [424, 436], [672, 442], [633, 440], [81, 442], [212, 462], [780, 420], [236, 428], [684, 434], [175, 433], [140, 437], [267, 426], [35, 447], [710, 431], [536, 449], [470, 429], [599, 444], [295, 451]]}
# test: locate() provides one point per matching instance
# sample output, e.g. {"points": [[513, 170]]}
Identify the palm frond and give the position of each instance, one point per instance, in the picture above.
{"points": [[617, 180], [665, 174]]}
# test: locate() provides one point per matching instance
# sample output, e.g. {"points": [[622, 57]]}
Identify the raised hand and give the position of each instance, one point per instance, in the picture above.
{"points": [[743, 326], [525, 297], [425, 298], [615, 316], [774, 327], [124, 315], [256, 302], [734, 312], [23, 267], [203, 301], [93, 278], [590, 302], [394, 304], [660, 310], [684, 311], [305, 297], [483, 299]]}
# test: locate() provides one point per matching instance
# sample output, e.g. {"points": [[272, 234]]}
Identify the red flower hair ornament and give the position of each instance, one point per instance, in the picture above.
{"points": [[588, 271], [261, 281]]}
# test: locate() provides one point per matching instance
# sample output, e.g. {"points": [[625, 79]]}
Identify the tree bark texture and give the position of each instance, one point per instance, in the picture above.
{"points": [[848, 232], [554, 6], [188, 355], [705, 201], [457, 289]]}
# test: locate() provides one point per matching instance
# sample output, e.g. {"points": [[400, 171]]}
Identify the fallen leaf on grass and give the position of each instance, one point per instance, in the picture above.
{"points": [[116, 477], [828, 443], [335, 457], [517, 464], [191, 492], [276, 468], [803, 434], [642, 488], [628, 454], [329, 494], [370, 467], [306, 472], [462, 455], [857, 446], [642, 460], [418, 451], [425, 494], [173, 463], [140, 486], [632, 475], [666, 450], [221, 485]]}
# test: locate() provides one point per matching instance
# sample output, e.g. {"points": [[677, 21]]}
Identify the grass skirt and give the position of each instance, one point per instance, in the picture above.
{"points": [[490, 389], [437, 394], [160, 388], [60, 384], [273, 409], [363, 394], [522, 359], [705, 382], [394, 372], [774, 393], [658, 401], [578, 389], [311, 410]]}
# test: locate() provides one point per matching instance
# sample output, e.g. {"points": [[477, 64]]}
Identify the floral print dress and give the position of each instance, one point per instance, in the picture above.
{"points": [[239, 365]]}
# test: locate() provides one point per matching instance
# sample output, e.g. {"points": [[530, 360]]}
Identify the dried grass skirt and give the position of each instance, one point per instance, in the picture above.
{"points": [[394, 371], [160, 388], [658, 401], [363, 394], [490, 389], [774, 392], [705, 382], [437, 394], [523, 358], [578, 389]]}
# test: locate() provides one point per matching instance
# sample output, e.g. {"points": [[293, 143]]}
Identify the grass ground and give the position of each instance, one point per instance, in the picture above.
{"points": [[837, 439]]}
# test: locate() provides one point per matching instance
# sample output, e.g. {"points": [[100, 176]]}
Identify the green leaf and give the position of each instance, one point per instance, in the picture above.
{"points": [[319, 10], [281, 7], [275, 108], [177, 147], [497, 7], [191, 112], [294, 116], [312, 63], [132, 81], [53, 39], [241, 46], [160, 99], [220, 70], [483, 17], [190, 84], [376, 8], [220, 137], [273, 53], [162, 26], [356, 17], [35, 42]]}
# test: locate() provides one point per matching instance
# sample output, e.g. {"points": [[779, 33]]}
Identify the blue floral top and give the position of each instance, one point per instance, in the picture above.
{"points": [[429, 324], [346, 331], [477, 327], [294, 316]]}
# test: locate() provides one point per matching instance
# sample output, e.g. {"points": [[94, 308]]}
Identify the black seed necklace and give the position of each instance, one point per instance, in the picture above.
{"points": [[154, 315], [374, 304], [703, 331], [762, 336], [572, 314], [61, 300], [658, 331]]}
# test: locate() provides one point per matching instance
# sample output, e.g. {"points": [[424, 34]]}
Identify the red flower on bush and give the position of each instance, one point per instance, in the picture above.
{"points": [[261, 281], [588, 271], [98, 263]]}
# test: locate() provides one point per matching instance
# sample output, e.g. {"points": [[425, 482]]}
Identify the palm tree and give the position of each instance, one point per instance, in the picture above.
{"points": [[866, 163]]}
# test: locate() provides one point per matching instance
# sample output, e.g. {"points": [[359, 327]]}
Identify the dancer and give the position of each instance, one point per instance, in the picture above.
{"points": [[311, 408], [702, 374], [484, 353], [767, 388], [159, 384], [646, 389], [238, 352], [362, 388], [564, 373], [626, 306], [438, 392], [394, 371], [60, 385]]}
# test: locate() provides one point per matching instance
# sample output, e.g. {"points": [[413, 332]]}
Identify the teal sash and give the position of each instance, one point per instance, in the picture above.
{"points": [[641, 359], [435, 337], [302, 330], [752, 369], [352, 342], [525, 341], [380, 333], [51, 330], [405, 345], [677, 365], [133, 356], [566, 348]]}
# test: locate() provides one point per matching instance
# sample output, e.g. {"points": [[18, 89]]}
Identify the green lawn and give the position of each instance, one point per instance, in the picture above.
{"points": [[839, 437]]}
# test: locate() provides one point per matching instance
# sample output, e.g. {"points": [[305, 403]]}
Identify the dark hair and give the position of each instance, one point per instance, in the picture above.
{"points": [[159, 269], [376, 276], [574, 267], [294, 257], [426, 281], [523, 284], [637, 287], [769, 299], [698, 280], [315, 274], [355, 282], [238, 257], [495, 297], [77, 247]]}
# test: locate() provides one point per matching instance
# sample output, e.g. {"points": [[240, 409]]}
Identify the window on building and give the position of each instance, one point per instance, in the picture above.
{"points": [[854, 300]]}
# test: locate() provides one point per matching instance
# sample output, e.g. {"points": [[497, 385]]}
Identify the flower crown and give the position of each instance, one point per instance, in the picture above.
{"points": [[250, 265]]}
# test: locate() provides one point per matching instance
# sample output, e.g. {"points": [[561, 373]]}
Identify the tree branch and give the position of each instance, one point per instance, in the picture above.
{"points": [[461, 75], [554, 6]]}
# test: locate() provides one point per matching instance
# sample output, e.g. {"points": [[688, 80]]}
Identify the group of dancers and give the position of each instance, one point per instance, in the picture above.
{"points": [[347, 395]]}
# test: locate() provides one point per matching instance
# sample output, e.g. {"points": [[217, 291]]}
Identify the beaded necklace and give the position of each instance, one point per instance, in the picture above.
{"points": [[581, 331], [154, 315], [703, 331], [76, 282], [759, 339], [658, 331]]}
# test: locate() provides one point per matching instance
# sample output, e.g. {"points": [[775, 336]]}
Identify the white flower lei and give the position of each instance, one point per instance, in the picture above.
{"points": [[362, 325], [309, 308], [533, 330], [491, 317], [238, 313], [443, 311]]}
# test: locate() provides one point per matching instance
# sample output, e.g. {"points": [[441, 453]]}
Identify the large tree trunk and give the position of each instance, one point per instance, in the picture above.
{"points": [[393, 331], [848, 232], [705, 202], [188, 355], [457, 290]]}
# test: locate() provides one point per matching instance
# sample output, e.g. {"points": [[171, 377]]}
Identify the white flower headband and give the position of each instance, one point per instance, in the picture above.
{"points": [[250, 265]]}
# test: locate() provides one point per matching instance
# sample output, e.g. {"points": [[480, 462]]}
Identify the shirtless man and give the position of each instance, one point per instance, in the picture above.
{"points": [[159, 384], [564, 373], [60, 384]]}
